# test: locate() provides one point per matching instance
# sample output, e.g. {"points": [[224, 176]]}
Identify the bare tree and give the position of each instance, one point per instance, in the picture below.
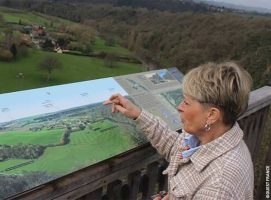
{"points": [[110, 60], [1, 18], [13, 50], [49, 64]]}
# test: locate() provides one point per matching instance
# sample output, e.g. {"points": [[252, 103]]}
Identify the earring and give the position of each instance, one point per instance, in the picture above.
{"points": [[207, 127]]}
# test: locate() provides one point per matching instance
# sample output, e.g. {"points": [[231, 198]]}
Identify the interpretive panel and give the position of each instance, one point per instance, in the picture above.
{"points": [[159, 92], [49, 132]]}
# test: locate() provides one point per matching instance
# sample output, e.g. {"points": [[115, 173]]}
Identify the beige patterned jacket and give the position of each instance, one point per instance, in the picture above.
{"points": [[221, 169]]}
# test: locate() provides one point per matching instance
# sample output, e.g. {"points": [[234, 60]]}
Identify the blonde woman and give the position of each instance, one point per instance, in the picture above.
{"points": [[210, 159]]}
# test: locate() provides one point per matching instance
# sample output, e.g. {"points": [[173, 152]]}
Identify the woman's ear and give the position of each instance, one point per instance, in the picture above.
{"points": [[214, 115]]}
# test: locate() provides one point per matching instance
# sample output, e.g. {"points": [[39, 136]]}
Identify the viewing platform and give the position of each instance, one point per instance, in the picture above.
{"points": [[136, 174]]}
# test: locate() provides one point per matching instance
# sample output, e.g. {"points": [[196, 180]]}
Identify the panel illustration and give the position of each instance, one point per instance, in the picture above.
{"points": [[49, 132], [159, 92], [159, 77], [174, 97]]}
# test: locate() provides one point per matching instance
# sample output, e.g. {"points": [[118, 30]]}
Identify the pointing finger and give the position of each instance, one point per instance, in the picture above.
{"points": [[114, 96], [107, 102], [113, 108], [117, 101], [120, 109]]}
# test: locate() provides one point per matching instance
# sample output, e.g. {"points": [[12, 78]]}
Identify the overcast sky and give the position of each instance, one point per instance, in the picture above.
{"points": [[250, 3]]}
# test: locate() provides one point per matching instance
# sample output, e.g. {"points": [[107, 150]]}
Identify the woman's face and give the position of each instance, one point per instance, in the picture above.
{"points": [[193, 115]]}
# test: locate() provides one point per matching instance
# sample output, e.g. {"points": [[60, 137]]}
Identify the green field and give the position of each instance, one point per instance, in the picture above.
{"points": [[100, 45], [75, 68], [11, 162], [85, 148], [26, 17], [28, 137]]}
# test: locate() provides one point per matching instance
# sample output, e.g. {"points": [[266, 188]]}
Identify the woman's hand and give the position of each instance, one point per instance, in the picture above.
{"points": [[166, 197], [161, 198], [123, 105]]}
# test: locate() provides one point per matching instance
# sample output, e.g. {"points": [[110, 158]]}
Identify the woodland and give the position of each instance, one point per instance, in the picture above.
{"points": [[182, 34]]}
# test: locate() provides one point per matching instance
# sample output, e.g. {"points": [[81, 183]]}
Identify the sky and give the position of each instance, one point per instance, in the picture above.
{"points": [[250, 3], [28, 103]]}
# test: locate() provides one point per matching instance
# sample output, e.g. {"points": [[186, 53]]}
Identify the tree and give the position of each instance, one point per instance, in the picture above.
{"points": [[110, 60], [49, 64], [110, 41], [8, 39], [1, 19], [13, 50], [48, 44], [5, 55]]}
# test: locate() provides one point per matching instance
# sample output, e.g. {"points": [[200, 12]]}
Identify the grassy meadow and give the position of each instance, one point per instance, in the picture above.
{"points": [[85, 148], [100, 46], [74, 68], [26, 17], [43, 137]]}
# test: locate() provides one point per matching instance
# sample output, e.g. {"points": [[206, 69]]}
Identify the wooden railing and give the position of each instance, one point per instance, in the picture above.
{"points": [[136, 174]]}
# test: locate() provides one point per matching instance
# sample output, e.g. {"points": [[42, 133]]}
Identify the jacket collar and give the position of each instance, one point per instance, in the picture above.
{"points": [[212, 150]]}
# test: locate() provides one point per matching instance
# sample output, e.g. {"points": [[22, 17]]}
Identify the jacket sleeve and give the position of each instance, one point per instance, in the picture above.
{"points": [[215, 193], [159, 134]]}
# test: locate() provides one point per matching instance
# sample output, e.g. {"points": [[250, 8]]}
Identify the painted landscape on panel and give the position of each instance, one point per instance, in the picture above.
{"points": [[62, 137]]}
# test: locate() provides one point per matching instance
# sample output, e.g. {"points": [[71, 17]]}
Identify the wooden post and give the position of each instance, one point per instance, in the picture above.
{"points": [[125, 192], [113, 190], [152, 171], [144, 186], [96, 194], [134, 181]]}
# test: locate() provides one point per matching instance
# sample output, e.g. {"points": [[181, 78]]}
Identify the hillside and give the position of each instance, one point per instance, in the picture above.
{"points": [[85, 55], [161, 5], [190, 39]]}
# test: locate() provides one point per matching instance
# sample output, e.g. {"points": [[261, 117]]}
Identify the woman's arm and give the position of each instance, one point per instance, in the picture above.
{"points": [[159, 134]]}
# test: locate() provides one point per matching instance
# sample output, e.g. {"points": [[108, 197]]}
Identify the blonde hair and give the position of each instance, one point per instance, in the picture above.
{"points": [[224, 85]]}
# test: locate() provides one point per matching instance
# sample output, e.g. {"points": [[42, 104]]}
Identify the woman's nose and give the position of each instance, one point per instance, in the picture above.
{"points": [[180, 107]]}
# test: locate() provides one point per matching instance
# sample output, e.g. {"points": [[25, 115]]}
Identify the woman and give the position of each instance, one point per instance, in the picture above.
{"points": [[209, 160]]}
